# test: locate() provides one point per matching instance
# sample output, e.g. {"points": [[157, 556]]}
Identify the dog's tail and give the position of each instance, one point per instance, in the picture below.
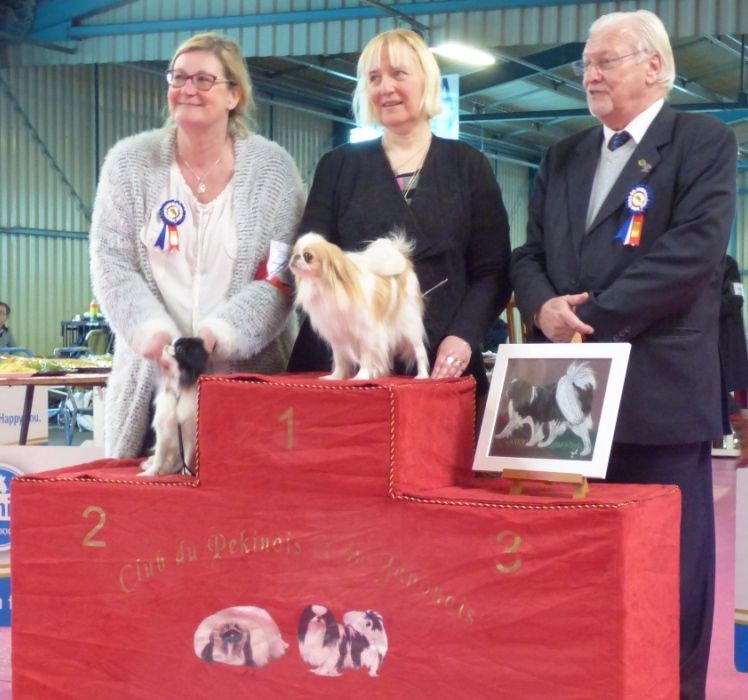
{"points": [[574, 392], [388, 256]]}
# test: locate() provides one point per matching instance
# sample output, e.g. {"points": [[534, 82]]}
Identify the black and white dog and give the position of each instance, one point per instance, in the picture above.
{"points": [[329, 647], [175, 416], [367, 640], [565, 404]]}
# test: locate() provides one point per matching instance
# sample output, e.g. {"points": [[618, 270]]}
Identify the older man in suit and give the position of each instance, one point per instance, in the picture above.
{"points": [[629, 223]]}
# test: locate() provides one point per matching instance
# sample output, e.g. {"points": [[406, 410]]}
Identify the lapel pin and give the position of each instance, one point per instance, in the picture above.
{"points": [[645, 167]]}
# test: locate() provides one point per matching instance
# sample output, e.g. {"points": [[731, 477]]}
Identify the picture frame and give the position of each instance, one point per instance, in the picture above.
{"points": [[552, 408]]}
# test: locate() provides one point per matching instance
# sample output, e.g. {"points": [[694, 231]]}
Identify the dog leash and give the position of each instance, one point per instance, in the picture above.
{"points": [[185, 469]]}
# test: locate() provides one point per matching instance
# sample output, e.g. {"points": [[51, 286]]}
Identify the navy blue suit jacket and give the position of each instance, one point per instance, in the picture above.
{"points": [[663, 296]]}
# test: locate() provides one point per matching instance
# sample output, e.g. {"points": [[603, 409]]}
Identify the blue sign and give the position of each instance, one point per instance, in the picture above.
{"points": [[7, 473]]}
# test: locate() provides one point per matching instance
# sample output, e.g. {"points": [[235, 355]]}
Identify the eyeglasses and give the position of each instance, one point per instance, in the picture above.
{"points": [[603, 65], [201, 81]]}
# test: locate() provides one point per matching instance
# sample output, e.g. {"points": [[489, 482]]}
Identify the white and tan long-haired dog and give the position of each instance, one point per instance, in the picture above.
{"points": [[367, 305]]}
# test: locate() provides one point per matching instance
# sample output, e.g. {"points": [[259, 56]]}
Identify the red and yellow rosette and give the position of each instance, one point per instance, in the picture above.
{"points": [[638, 202]]}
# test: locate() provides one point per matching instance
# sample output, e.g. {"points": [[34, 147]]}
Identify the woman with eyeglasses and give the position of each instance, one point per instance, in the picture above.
{"points": [[191, 228]]}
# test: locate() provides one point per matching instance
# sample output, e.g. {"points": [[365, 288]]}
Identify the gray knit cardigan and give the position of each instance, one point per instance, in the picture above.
{"points": [[253, 327]]}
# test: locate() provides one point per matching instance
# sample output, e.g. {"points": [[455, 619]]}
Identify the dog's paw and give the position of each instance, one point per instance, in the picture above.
{"points": [[147, 466], [149, 469], [153, 467], [335, 376], [321, 671]]}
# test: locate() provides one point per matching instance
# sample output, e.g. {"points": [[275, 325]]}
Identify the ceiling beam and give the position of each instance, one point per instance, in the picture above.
{"points": [[52, 12], [62, 32], [726, 111], [53, 19], [520, 68]]}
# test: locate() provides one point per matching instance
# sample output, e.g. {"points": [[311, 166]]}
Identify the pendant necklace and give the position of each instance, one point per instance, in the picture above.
{"points": [[414, 177], [411, 181], [201, 186]]}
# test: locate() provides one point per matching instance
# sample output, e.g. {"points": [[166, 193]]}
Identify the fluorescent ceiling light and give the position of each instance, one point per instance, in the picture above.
{"points": [[464, 54]]}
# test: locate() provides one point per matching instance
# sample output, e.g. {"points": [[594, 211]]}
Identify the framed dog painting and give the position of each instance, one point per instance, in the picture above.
{"points": [[552, 408]]}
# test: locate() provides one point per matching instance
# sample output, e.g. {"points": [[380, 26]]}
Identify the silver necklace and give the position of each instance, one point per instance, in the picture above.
{"points": [[201, 186], [411, 157], [411, 182]]}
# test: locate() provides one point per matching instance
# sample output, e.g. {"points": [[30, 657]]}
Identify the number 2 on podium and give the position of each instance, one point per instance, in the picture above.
{"points": [[88, 539]]}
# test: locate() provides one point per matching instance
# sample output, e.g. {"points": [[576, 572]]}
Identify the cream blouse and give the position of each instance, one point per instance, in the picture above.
{"points": [[192, 267]]}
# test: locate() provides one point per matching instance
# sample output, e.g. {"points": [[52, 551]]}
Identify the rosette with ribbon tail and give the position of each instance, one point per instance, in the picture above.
{"points": [[638, 202], [172, 213]]}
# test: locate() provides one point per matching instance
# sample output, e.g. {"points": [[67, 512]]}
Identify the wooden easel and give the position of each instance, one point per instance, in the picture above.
{"points": [[519, 476]]}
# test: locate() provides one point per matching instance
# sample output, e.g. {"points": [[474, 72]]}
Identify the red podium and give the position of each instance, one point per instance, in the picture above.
{"points": [[348, 497]]}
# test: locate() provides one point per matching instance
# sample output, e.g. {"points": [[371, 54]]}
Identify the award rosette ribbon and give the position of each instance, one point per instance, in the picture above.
{"points": [[172, 213], [638, 202]]}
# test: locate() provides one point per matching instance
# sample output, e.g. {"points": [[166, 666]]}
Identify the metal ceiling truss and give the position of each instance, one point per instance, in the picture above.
{"points": [[59, 20], [49, 22]]}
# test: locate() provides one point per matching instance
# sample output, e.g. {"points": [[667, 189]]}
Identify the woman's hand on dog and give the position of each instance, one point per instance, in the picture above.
{"points": [[209, 340], [452, 358], [558, 320], [154, 348]]}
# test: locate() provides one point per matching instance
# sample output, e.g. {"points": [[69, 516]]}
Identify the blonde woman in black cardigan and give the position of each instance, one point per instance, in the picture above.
{"points": [[441, 193]]}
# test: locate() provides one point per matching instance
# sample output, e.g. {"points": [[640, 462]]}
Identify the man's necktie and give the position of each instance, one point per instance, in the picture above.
{"points": [[618, 139]]}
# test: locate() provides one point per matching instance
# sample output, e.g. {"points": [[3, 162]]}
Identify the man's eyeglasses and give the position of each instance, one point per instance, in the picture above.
{"points": [[603, 65], [201, 81]]}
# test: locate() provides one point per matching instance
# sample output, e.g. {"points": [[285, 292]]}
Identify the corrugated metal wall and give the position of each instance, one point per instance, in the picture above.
{"points": [[57, 124], [341, 32], [515, 181], [305, 136], [52, 142], [44, 279]]}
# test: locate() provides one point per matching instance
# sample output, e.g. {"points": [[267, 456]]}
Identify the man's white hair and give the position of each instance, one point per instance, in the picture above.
{"points": [[648, 33]]}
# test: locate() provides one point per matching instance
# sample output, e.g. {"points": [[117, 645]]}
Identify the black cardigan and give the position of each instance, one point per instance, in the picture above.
{"points": [[456, 219]]}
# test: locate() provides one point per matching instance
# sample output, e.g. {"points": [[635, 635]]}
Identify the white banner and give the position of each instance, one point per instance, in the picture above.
{"points": [[11, 410]]}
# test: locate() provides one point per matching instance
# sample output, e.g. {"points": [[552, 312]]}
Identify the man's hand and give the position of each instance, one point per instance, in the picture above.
{"points": [[558, 320]]}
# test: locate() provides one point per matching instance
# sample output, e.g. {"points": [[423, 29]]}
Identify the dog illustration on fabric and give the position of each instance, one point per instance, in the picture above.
{"points": [[239, 636], [544, 413], [330, 647]]}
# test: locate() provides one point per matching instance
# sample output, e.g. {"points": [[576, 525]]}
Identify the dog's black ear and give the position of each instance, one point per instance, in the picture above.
{"points": [[248, 659], [192, 358], [306, 616], [375, 619], [207, 654], [332, 633]]}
